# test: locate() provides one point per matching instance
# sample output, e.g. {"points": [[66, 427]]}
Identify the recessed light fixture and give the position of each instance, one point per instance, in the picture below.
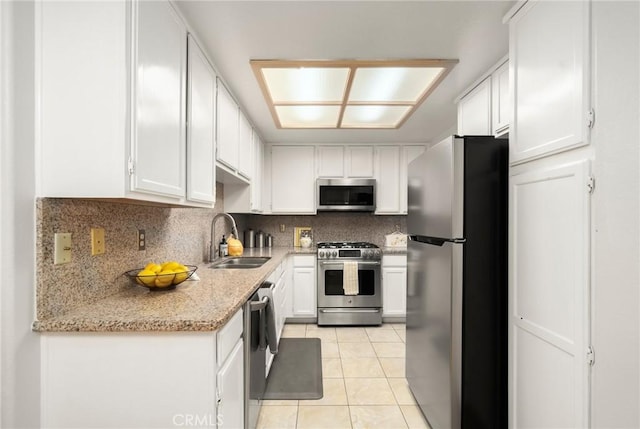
{"points": [[347, 94]]}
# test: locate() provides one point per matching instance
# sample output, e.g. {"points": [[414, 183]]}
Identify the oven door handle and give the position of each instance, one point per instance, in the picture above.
{"points": [[351, 310], [340, 263]]}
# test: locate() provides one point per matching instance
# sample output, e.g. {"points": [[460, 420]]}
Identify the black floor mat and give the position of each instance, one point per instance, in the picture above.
{"points": [[296, 372]]}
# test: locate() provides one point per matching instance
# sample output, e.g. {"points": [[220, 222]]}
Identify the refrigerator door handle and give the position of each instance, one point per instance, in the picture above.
{"points": [[436, 241]]}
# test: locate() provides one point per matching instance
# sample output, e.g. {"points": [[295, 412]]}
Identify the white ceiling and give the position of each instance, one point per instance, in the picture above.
{"points": [[234, 32]]}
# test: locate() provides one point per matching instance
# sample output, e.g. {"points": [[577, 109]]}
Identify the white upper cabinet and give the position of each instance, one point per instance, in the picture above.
{"points": [[391, 176], [474, 111], [359, 161], [484, 109], [388, 179], [257, 176], [550, 78], [330, 161], [338, 161], [293, 179], [201, 171], [112, 97], [292, 182], [409, 153], [245, 147], [227, 128], [500, 100], [160, 59]]}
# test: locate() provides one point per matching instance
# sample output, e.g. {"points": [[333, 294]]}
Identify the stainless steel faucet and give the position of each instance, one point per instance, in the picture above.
{"points": [[234, 230]]}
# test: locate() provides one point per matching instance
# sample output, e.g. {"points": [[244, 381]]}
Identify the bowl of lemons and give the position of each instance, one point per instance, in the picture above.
{"points": [[165, 276]]}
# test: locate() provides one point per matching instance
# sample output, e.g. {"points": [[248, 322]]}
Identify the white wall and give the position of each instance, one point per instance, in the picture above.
{"points": [[616, 277], [20, 359]]}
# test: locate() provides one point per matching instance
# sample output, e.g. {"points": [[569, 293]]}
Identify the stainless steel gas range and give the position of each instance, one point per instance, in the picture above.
{"points": [[349, 283]]}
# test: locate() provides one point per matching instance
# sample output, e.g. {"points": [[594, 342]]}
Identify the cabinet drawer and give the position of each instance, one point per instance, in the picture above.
{"points": [[228, 336], [394, 261], [304, 261]]}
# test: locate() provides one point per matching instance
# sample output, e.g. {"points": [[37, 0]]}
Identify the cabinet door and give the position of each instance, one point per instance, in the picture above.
{"points": [[304, 292], [501, 103], [359, 161], [409, 154], [227, 128], [387, 179], [256, 178], [394, 291], [550, 71], [549, 296], [230, 383], [245, 153], [292, 179], [474, 111], [158, 144], [330, 161], [201, 168]]}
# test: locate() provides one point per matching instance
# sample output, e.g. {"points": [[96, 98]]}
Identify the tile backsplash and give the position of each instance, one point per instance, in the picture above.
{"points": [[172, 234], [330, 226]]}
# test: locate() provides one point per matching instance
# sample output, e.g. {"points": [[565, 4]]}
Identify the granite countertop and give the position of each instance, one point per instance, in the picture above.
{"points": [[204, 305]]}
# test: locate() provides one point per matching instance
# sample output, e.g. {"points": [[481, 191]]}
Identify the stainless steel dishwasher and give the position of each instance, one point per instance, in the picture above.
{"points": [[256, 321]]}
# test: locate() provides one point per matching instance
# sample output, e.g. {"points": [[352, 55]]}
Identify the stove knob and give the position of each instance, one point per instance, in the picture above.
{"points": [[321, 254], [334, 253]]}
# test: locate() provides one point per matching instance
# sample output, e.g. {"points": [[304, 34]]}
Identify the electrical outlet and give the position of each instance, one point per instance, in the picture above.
{"points": [[62, 248], [97, 241], [142, 240], [282, 227]]}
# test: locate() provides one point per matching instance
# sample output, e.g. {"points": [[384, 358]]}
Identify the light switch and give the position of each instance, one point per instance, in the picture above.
{"points": [[61, 248], [97, 241]]}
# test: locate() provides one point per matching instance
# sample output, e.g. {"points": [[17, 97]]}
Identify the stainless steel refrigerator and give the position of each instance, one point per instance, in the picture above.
{"points": [[456, 357]]}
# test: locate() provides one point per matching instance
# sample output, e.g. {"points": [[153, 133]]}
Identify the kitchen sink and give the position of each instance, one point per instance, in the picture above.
{"points": [[239, 262]]}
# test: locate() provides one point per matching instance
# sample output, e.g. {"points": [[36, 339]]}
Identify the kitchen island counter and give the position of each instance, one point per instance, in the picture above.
{"points": [[204, 305]]}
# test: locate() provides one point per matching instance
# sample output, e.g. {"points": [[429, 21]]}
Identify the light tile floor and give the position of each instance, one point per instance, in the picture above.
{"points": [[363, 383]]}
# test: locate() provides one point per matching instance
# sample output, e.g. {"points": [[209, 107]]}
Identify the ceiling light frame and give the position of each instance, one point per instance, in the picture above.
{"points": [[258, 66]]}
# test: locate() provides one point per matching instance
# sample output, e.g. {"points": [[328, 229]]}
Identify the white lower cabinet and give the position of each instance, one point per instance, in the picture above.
{"points": [[133, 380], [394, 286], [303, 286], [143, 379], [229, 380], [230, 410]]}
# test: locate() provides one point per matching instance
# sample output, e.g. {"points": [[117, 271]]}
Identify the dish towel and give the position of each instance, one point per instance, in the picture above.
{"points": [[350, 277], [268, 321]]}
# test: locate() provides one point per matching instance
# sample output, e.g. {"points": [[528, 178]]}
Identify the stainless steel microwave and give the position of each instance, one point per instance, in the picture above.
{"points": [[346, 195]]}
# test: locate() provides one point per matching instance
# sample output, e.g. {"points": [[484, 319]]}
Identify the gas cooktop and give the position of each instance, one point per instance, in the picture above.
{"points": [[348, 250], [346, 245]]}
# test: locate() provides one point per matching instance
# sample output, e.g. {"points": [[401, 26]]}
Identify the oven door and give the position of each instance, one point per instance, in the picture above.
{"points": [[331, 292]]}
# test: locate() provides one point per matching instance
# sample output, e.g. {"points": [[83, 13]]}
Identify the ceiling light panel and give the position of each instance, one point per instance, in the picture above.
{"points": [[374, 116], [308, 116], [306, 84], [347, 93], [392, 84]]}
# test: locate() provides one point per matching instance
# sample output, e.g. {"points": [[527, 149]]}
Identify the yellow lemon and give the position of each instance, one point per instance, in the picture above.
{"points": [[170, 265], [152, 266], [146, 277], [164, 278], [182, 273]]}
